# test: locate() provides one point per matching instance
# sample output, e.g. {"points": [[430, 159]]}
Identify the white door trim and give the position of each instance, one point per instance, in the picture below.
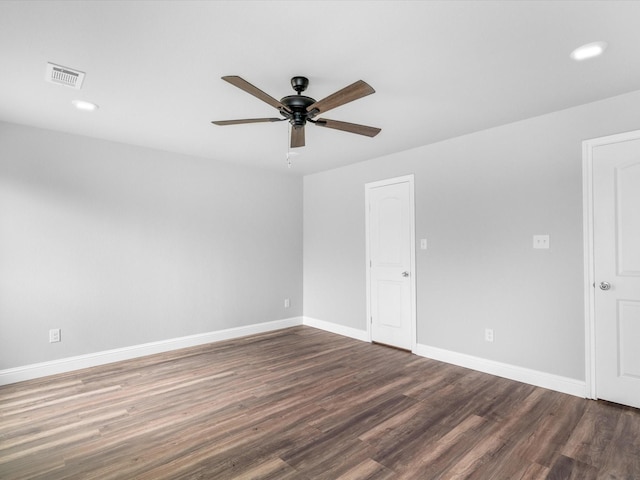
{"points": [[589, 277], [367, 188]]}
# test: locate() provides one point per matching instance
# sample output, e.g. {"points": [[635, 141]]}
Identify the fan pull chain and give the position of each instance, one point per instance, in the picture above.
{"points": [[289, 146]]}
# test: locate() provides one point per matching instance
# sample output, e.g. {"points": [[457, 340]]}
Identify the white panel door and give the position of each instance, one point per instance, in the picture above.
{"points": [[390, 264], [616, 240]]}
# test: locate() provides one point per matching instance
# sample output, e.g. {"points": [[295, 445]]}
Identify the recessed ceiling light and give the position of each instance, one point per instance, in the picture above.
{"points": [[84, 106], [589, 50]]}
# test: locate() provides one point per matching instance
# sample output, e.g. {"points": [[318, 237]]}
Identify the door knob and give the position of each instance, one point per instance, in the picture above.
{"points": [[605, 285], [405, 274]]}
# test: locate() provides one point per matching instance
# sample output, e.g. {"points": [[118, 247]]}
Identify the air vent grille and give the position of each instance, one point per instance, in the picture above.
{"points": [[64, 76]]}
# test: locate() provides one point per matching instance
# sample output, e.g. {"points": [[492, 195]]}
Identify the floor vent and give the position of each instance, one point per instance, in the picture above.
{"points": [[64, 76]]}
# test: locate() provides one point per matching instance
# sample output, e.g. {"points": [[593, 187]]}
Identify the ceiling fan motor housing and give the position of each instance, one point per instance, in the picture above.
{"points": [[297, 104]]}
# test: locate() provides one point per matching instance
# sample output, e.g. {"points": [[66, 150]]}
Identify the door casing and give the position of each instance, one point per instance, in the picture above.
{"points": [[367, 189], [589, 272]]}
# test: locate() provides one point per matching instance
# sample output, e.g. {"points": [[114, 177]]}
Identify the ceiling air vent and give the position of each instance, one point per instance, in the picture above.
{"points": [[64, 76]]}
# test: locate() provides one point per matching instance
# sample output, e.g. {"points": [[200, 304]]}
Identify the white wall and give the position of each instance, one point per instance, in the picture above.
{"points": [[479, 200], [119, 245]]}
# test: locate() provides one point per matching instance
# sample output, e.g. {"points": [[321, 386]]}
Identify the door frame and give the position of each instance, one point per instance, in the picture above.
{"points": [[412, 262], [589, 273]]}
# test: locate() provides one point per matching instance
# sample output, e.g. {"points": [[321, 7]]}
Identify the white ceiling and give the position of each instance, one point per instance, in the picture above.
{"points": [[440, 69]]}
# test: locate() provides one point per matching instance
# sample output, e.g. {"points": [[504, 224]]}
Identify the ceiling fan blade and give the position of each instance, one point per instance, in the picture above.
{"points": [[348, 94], [297, 137], [242, 84], [246, 120], [348, 127]]}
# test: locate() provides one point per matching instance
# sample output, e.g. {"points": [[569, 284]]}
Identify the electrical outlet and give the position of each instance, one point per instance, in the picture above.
{"points": [[287, 303], [54, 335], [488, 334]]}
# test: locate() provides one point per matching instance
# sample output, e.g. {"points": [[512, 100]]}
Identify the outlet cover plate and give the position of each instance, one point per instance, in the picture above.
{"points": [[488, 334]]}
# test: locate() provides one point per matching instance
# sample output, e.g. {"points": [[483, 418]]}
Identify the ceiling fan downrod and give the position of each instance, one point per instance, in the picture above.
{"points": [[299, 84]]}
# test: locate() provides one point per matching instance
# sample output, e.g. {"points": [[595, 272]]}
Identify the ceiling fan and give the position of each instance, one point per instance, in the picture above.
{"points": [[299, 109]]}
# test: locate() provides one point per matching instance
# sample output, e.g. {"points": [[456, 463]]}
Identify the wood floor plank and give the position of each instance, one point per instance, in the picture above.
{"points": [[367, 470], [533, 472], [304, 404], [565, 468], [592, 440]]}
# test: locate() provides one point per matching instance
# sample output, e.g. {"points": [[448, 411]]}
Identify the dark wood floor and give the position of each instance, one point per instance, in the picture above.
{"points": [[301, 403]]}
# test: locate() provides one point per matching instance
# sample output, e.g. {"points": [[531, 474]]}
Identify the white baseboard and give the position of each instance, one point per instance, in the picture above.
{"points": [[558, 383], [336, 328], [520, 374], [37, 370], [533, 377]]}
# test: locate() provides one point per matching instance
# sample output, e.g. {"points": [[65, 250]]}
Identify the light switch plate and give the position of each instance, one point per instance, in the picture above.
{"points": [[423, 244], [54, 335], [541, 241]]}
